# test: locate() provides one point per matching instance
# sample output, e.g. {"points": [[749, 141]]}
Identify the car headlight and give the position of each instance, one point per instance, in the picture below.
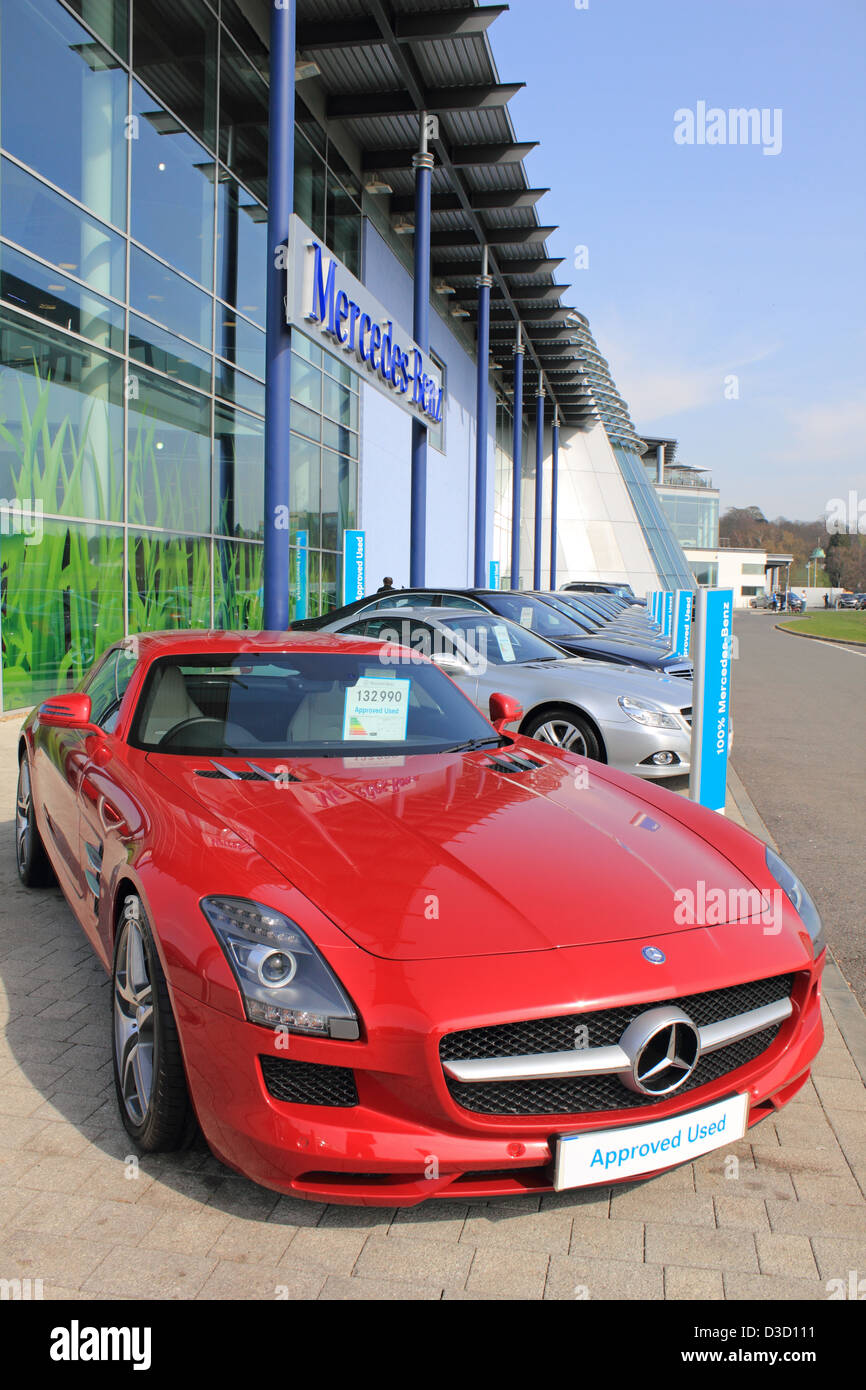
{"points": [[284, 981], [642, 712], [798, 898]]}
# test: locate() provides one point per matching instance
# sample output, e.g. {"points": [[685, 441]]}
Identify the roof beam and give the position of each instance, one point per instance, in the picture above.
{"points": [[520, 294], [408, 28], [444, 270], [438, 100], [462, 157], [446, 24], [501, 199], [493, 236]]}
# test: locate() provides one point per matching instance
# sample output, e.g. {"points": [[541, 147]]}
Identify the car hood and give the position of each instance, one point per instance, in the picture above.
{"points": [[615, 679], [638, 651], [452, 855]]}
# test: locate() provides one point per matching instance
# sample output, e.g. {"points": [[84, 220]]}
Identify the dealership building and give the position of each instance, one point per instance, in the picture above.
{"points": [[469, 434]]}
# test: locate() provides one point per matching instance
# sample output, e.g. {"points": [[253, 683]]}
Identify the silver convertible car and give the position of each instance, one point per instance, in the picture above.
{"points": [[636, 720]]}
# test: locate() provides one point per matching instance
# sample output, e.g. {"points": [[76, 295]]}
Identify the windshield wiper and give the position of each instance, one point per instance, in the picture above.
{"points": [[471, 744]]}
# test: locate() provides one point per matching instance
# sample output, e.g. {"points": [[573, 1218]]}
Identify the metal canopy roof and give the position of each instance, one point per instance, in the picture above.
{"points": [[380, 65]]}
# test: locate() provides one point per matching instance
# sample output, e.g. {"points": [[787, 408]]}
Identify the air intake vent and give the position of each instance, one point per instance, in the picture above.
{"points": [[251, 773], [514, 762], [309, 1083]]}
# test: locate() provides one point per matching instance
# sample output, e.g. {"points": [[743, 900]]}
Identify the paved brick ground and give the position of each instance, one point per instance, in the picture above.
{"points": [[779, 1223]]}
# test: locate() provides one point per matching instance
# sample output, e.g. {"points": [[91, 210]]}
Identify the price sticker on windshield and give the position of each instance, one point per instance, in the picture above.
{"points": [[503, 641], [376, 709]]}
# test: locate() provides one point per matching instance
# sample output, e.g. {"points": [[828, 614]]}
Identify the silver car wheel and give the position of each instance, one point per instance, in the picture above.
{"points": [[562, 734], [23, 814], [133, 1022]]}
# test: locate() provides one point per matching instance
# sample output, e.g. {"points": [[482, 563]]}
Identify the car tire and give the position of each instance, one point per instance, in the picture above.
{"points": [[553, 726], [149, 1076], [34, 866]]}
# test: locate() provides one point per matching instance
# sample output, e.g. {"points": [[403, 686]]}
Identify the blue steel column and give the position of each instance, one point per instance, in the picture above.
{"points": [[539, 485], [554, 496], [422, 163], [517, 460], [485, 284], [278, 341]]}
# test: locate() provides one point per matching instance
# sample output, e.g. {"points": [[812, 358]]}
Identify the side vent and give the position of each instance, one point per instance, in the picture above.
{"points": [[513, 762], [251, 773]]}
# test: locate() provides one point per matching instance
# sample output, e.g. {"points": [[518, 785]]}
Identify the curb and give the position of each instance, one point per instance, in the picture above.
{"points": [[813, 637], [841, 999]]}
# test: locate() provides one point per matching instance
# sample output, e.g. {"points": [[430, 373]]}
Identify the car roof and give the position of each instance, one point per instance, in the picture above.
{"points": [[151, 645], [438, 613]]}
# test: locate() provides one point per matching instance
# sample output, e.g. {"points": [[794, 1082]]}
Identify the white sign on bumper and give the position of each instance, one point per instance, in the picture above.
{"points": [[585, 1159]]}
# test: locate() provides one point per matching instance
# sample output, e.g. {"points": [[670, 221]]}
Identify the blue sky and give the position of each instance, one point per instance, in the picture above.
{"points": [[712, 261]]}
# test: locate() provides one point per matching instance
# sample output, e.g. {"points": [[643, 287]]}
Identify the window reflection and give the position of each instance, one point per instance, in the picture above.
{"points": [[174, 46], [239, 472], [242, 235], [169, 456], [62, 105], [58, 298], [161, 294], [172, 190], [52, 227]]}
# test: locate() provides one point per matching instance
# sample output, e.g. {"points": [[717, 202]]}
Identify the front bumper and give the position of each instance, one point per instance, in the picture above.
{"points": [[630, 747], [406, 1139]]}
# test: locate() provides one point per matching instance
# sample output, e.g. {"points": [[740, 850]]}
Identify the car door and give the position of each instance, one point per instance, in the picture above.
{"points": [[104, 806]]}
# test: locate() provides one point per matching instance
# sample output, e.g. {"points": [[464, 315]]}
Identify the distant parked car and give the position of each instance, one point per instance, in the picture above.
{"points": [[795, 603], [597, 586], [638, 721], [850, 601], [761, 601]]}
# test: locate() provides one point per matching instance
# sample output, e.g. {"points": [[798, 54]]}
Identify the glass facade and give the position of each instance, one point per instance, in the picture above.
{"points": [[693, 516], [671, 565], [133, 180]]}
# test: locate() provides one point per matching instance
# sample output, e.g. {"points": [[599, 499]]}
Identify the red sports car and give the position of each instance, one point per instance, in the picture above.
{"points": [[380, 950]]}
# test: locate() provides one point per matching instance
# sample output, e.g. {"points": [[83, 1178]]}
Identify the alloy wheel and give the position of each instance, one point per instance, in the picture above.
{"points": [[23, 815], [562, 734], [133, 1022]]}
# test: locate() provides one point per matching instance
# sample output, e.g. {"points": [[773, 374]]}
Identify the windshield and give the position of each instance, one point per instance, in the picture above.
{"points": [[533, 613], [296, 704], [502, 643]]}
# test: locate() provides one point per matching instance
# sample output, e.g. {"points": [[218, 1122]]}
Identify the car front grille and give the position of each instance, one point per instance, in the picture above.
{"points": [[309, 1083], [686, 712], [605, 1027]]}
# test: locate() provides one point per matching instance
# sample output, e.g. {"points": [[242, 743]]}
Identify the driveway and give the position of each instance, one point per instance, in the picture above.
{"points": [[800, 747]]}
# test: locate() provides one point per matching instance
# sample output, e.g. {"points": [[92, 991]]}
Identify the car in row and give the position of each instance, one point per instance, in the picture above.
{"points": [[574, 623], [378, 949], [636, 720]]}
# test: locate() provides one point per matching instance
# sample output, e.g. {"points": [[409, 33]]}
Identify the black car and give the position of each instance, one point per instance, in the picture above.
{"points": [[599, 586], [530, 612]]}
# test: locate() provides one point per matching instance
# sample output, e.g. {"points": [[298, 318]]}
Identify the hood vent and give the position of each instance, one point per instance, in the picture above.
{"points": [[251, 773], [513, 762]]}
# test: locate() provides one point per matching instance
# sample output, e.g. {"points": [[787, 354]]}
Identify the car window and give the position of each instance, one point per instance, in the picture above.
{"points": [[533, 613], [107, 685], [299, 703], [501, 643], [459, 601]]}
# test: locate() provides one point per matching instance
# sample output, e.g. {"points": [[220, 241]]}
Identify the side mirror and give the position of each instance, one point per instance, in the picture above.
{"points": [[504, 709], [450, 663], [66, 712]]}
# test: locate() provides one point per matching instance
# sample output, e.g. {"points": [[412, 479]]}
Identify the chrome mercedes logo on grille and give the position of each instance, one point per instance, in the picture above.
{"points": [[664, 1047]]}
